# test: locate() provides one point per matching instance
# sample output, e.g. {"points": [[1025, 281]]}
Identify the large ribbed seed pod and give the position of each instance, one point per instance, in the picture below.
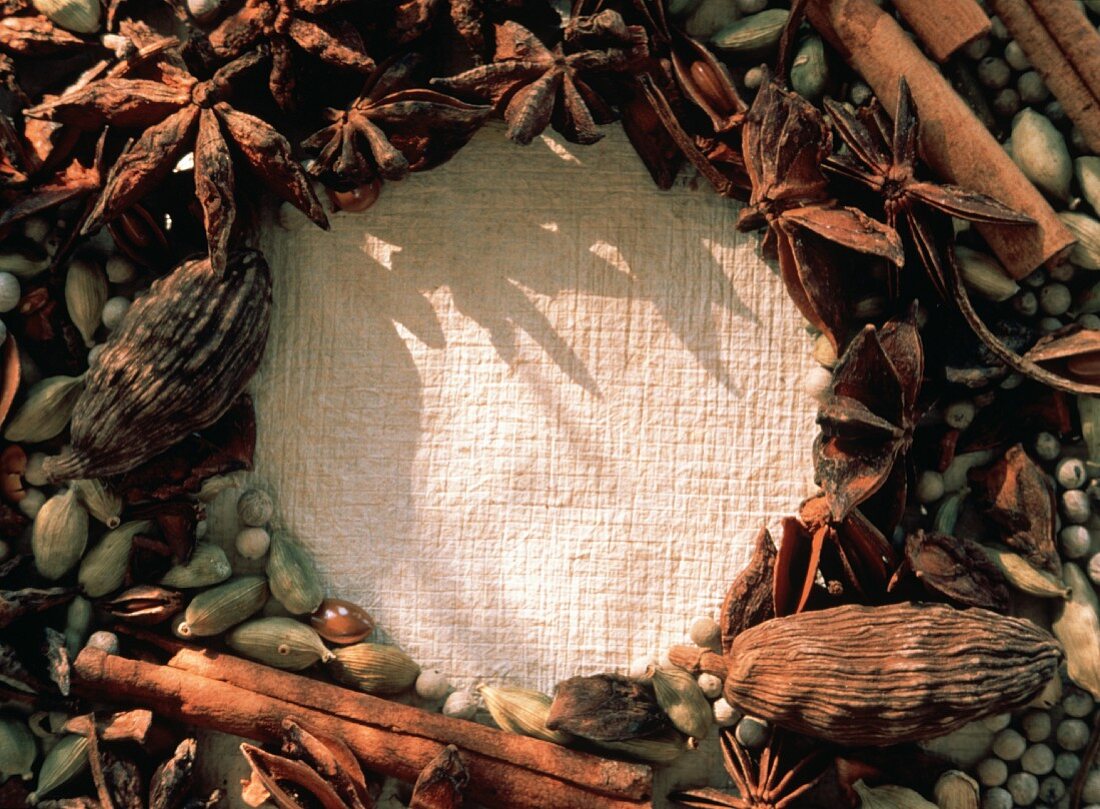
{"points": [[886, 675], [174, 365]]}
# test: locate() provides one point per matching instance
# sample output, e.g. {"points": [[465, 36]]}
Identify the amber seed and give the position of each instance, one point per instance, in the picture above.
{"points": [[357, 199], [339, 621]]}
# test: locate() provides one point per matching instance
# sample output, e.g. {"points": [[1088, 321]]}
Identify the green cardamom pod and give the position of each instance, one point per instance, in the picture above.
{"points": [[280, 642], [985, 275], [709, 17], [17, 749], [46, 410], [208, 565], [374, 667], [103, 568], [217, 609], [80, 16], [521, 710], [1040, 151], [810, 69], [66, 760], [101, 502], [1087, 171], [177, 362], [1086, 253], [664, 748], [59, 535], [752, 37], [1077, 625], [1024, 576], [85, 294], [293, 578], [682, 700], [890, 797], [25, 260]]}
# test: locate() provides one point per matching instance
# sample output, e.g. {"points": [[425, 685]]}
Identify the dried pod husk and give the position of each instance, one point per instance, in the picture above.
{"points": [[103, 568], [292, 576], [964, 747], [215, 610], [374, 668], [662, 749], [171, 781], [1077, 626], [917, 670], [696, 661], [78, 16], [85, 289], [101, 502], [208, 565], [984, 274], [957, 568], [176, 363], [956, 790], [748, 600], [605, 708], [17, 749], [1023, 575], [60, 535], [1040, 151], [280, 642], [66, 760], [521, 710], [46, 410], [1087, 171], [752, 37], [144, 604], [809, 73], [682, 700], [1086, 253], [441, 783], [890, 797]]}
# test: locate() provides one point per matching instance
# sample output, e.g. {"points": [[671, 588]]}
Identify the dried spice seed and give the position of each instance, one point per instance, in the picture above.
{"points": [[748, 601], [957, 568], [605, 708]]}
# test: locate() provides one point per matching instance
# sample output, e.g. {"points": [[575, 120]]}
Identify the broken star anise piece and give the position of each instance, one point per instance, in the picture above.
{"points": [[890, 171], [391, 129], [35, 35], [534, 85], [287, 26], [868, 416], [954, 567], [748, 600], [784, 140], [180, 113], [441, 783]]}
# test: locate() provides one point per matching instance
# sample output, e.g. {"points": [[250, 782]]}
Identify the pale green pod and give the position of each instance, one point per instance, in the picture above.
{"points": [[752, 37], [280, 642], [78, 16], [985, 275], [60, 535], [710, 17], [680, 8], [663, 749], [217, 609], [682, 700], [102, 503], [1077, 625], [1024, 576], [292, 576], [17, 749], [46, 410], [25, 262], [1040, 151], [85, 283], [810, 69], [1086, 253], [66, 760], [948, 512], [208, 565], [103, 568], [890, 796], [78, 617], [374, 668], [521, 710], [1087, 171], [1088, 407]]}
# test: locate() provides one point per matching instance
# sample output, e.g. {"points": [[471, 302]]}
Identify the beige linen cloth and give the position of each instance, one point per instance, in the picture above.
{"points": [[531, 411]]}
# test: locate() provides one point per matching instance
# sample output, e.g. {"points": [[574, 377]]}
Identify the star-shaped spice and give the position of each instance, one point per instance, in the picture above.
{"points": [[391, 129], [34, 35], [890, 171], [180, 113], [535, 86], [868, 416], [289, 26], [784, 140], [469, 18]]}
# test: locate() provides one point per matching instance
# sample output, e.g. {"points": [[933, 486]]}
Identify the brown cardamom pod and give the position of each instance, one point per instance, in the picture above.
{"points": [[174, 365]]}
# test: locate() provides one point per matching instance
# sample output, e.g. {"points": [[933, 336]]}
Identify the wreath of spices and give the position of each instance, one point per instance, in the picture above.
{"points": [[927, 631]]}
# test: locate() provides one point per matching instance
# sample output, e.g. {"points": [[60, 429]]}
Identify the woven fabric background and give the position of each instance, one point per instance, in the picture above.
{"points": [[531, 411]]}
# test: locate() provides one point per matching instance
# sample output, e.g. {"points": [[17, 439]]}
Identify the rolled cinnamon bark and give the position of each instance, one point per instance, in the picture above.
{"points": [[399, 741], [952, 140], [944, 26]]}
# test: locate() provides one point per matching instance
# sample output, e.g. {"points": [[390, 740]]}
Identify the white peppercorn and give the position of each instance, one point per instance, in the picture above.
{"points": [[1067, 764], [36, 228], [114, 310], [1047, 446], [754, 77], [1036, 725], [1072, 735], [1049, 325], [1074, 540], [997, 798], [998, 29], [930, 487], [1071, 473], [978, 48], [1062, 271], [710, 685], [705, 632], [254, 507], [959, 415], [1006, 102], [725, 715], [1036, 278], [859, 93], [1009, 745], [94, 352], [1094, 569], [10, 293], [992, 772], [752, 733], [1026, 304], [1016, 57], [1023, 787], [33, 500], [104, 641], [1091, 792], [1055, 112], [1077, 140], [818, 382], [1037, 760], [994, 73], [252, 543], [120, 269], [640, 665], [1055, 299], [1052, 789], [1088, 320], [997, 722], [1031, 87], [432, 685], [1075, 506], [33, 473], [751, 6], [461, 705], [1078, 704]]}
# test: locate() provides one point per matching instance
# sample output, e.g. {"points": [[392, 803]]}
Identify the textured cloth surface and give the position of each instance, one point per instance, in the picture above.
{"points": [[531, 411]]}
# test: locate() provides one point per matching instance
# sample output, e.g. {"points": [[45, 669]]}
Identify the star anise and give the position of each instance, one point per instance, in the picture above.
{"points": [[784, 139], [391, 129], [868, 417], [535, 86], [760, 785], [469, 18], [289, 26], [886, 162], [180, 113]]}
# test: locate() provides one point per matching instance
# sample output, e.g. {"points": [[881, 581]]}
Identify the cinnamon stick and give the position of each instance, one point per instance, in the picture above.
{"points": [[944, 26], [952, 140], [1075, 86], [400, 743]]}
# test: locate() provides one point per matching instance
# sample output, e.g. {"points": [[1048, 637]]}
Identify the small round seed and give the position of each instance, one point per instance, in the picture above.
{"points": [[1047, 446], [1036, 725], [1094, 569], [1032, 88], [997, 29], [1026, 304], [860, 93], [754, 77], [120, 270], [1075, 506], [1055, 112], [1071, 473], [252, 543], [1009, 745], [1089, 321], [997, 722], [992, 772], [710, 685], [255, 507], [725, 715], [1037, 760], [1067, 764], [705, 632], [104, 641], [1006, 102], [432, 685], [1023, 787], [461, 705], [114, 310], [1015, 56], [994, 73], [752, 732], [1074, 541], [818, 382], [1049, 325], [959, 415], [1091, 792], [1072, 735], [640, 665], [997, 798], [1051, 789], [751, 6], [10, 293], [1063, 271], [978, 48], [37, 229], [1055, 299], [930, 486], [1078, 704], [33, 473], [33, 500], [1036, 278]]}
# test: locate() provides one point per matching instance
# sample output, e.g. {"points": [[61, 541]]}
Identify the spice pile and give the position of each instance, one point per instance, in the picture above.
{"points": [[934, 220]]}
